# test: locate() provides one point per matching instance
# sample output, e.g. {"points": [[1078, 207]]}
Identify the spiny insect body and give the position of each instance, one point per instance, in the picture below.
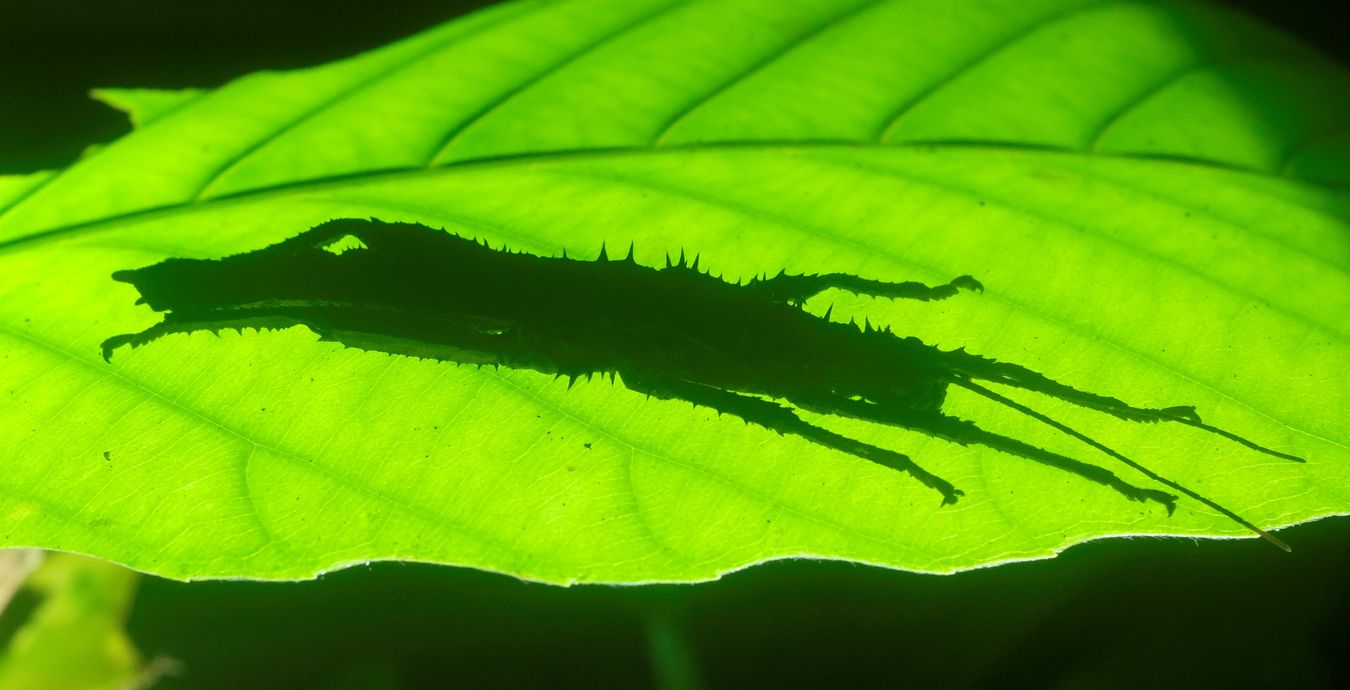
{"points": [[749, 349]]}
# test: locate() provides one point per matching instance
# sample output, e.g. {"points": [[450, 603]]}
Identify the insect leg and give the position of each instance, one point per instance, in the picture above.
{"points": [[966, 433], [783, 420], [977, 367], [174, 325], [985, 392], [795, 289]]}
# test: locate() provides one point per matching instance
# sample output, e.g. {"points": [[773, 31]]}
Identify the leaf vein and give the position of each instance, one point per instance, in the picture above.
{"points": [[296, 458], [897, 115], [452, 136], [344, 94], [340, 181], [763, 63]]}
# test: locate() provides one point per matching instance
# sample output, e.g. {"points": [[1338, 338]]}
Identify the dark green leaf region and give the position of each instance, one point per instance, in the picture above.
{"points": [[744, 349]]}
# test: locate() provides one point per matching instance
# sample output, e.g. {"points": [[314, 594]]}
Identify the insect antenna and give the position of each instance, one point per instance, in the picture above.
{"points": [[1013, 404]]}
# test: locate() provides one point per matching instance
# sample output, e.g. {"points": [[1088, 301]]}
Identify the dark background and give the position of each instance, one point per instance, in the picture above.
{"points": [[1122, 613]]}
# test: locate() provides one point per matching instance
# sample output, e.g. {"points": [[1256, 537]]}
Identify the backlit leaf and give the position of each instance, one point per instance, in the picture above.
{"points": [[1153, 195]]}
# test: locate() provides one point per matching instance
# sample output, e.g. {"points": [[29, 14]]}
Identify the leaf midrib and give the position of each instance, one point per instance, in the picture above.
{"points": [[1011, 303], [533, 158], [367, 176], [529, 159]]}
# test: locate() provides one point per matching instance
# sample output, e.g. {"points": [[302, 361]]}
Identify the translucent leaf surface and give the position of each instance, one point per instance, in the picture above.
{"points": [[1152, 194]]}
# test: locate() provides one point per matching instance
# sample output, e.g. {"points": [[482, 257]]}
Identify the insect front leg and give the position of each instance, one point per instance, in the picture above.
{"points": [[799, 288], [783, 420], [182, 324]]}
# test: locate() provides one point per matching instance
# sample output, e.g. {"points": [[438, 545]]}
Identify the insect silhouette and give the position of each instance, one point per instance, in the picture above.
{"points": [[748, 350]]}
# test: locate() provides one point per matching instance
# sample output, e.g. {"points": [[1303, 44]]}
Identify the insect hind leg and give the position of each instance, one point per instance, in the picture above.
{"points": [[795, 289], [1012, 404], [986, 369], [966, 433], [783, 420]]}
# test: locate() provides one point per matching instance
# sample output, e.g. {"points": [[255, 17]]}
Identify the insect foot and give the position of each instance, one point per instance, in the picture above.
{"points": [[746, 350]]}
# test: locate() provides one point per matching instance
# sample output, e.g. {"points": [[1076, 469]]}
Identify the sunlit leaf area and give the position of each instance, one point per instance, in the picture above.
{"points": [[373, 466]]}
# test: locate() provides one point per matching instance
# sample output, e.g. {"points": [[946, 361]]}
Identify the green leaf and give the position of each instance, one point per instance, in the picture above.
{"points": [[1152, 193], [74, 638]]}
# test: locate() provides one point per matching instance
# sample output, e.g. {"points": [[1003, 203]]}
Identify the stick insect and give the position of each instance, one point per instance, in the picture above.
{"points": [[748, 350]]}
